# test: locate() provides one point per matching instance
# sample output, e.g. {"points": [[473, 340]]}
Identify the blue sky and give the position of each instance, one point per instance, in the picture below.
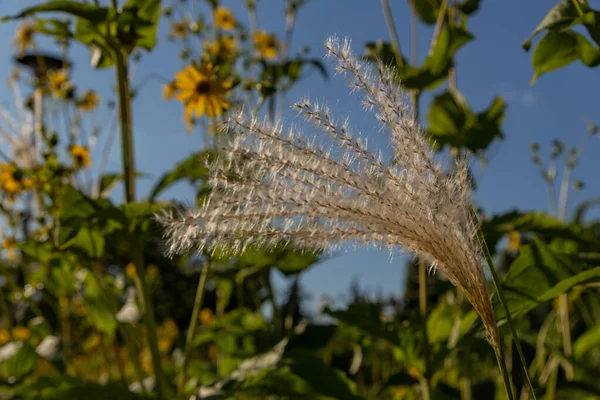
{"points": [[493, 64]]}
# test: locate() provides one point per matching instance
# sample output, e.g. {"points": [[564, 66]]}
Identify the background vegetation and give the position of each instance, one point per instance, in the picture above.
{"points": [[91, 308]]}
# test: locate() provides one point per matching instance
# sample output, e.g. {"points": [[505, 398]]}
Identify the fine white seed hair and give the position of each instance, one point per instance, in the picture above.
{"points": [[274, 186]]}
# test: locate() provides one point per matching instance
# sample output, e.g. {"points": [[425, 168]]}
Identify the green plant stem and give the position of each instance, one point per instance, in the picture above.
{"points": [[191, 330], [136, 251], [578, 7], [387, 12], [127, 154], [499, 351], [425, 384], [466, 392], [425, 392], [496, 281]]}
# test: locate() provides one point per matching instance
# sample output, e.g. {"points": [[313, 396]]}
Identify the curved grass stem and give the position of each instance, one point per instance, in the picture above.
{"points": [[496, 281], [191, 330]]}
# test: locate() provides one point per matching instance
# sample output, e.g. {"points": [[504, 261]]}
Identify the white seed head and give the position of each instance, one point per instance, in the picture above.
{"points": [[273, 186]]}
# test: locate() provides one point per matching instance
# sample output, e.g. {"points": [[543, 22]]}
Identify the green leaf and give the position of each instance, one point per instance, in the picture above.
{"points": [[192, 169], [583, 208], [588, 276], [54, 27], [563, 15], [451, 122], [88, 12], [588, 341], [450, 40], [440, 322], [312, 337], [21, 364], [87, 239], [560, 48], [324, 380], [427, 10], [539, 275], [435, 68], [100, 316], [541, 224], [402, 378], [295, 261], [140, 17]]}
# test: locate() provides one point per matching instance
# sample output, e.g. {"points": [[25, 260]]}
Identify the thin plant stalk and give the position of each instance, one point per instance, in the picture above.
{"points": [[496, 281], [425, 383], [387, 12], [137, 255], [500, 357], [192, 329]]}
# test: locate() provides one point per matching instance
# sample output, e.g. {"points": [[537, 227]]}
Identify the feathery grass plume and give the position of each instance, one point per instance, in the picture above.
{"points": [[271, 186]]}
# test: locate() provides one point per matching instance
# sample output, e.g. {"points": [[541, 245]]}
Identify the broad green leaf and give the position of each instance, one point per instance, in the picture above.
{"points": [[589, 340], [450, 40], [192, 169], [100, 316], [435, 68], [563, 15], [78, 9], [585, 277], [448, 115], [560, 48], [54, 27], [533, 222], [323, 379], [451, 122], [295, 261], [539, 275], [140, 18], [312, 337], [87, 239], [440, 322], [21, 364], [427, 10], [469, 6]]}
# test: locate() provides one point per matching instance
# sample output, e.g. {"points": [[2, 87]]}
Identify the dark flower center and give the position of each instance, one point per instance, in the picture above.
{"points": [[203, 87]]}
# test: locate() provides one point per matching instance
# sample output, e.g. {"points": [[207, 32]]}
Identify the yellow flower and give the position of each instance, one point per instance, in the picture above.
{"points": [[21, 333], [169, 328], [59, 83], [152, 271], [164, 345], [130, 270], [169, 90], [266, 44], [63, 301], [81, 156], [514, 241], [202, 91], [179, 29], [206, 317], [224, 19], [223, 47], [8, 182], [213, 352], [4, 336], [89, 101], [9, 243], [24, 37]]}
